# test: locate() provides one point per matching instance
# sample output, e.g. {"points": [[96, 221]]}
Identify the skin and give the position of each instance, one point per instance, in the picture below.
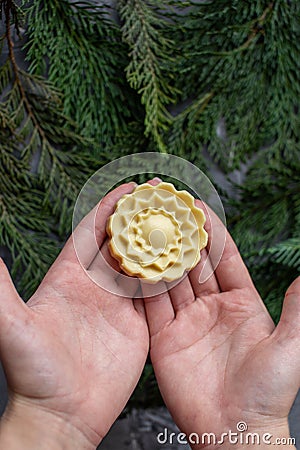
{"points": [[74, 353], [217, 355]]}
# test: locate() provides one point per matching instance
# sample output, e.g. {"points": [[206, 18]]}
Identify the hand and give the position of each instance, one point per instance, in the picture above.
{"points": [[74, 353], [217, 355]]}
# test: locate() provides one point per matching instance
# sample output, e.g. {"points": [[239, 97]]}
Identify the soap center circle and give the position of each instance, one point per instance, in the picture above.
{"points": [[155, 229], [157, 239], [158, 228]]}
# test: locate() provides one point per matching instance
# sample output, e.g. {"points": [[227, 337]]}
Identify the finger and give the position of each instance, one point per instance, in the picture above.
{"points": [[288, 328], [230, 270], [182, 294], [155, 181], [123, 286], [127, 285], [202, 277], [90, 234], [158, 307], [13, 311], [104, 254], [118, 283], [140, 307], [103, 257]]}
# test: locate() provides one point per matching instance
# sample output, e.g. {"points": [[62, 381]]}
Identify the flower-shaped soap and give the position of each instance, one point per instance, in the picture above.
{"points": [[156, 232]]}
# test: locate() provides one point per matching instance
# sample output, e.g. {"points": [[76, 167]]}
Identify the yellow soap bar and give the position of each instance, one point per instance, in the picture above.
{"points": [[156, 232]]}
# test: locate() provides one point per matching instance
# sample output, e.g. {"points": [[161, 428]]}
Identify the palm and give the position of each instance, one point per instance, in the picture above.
{"points": [[78, 344], [205, 353], [216, 355]]}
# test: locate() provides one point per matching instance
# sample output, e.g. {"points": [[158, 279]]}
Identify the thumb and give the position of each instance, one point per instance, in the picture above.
{"points": [[286, 348], [13, 310], [288, 329]]}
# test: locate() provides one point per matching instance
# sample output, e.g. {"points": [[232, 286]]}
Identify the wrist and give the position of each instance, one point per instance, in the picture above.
{"points": [[252, 437], [28, 427]]}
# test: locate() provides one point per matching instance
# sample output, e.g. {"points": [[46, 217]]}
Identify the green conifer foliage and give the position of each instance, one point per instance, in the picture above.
{"points": [[81, 51], [148, 70], [43, 163]]}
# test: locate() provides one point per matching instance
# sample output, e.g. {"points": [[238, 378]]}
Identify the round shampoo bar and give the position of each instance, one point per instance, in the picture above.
{"points": [[156, 232]]}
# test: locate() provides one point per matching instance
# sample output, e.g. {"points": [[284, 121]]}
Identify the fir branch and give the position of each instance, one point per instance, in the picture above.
{"points": [[34, 109], [35, 203], [142, 28], [238, 52], [24, 100], [287, 253], [256, 29], [12, 12], [25, 222], [186, 136], [79, 47]]}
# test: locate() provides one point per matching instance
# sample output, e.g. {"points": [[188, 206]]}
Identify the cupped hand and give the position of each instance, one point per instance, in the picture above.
{"points": [[217, 356], [75, 351]]}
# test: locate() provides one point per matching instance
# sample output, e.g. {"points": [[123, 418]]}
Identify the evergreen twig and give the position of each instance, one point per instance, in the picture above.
{"points": [[150, 52]]}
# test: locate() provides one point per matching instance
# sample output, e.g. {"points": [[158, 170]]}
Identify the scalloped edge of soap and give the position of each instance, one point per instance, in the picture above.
{"points": [[200, 219]]}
